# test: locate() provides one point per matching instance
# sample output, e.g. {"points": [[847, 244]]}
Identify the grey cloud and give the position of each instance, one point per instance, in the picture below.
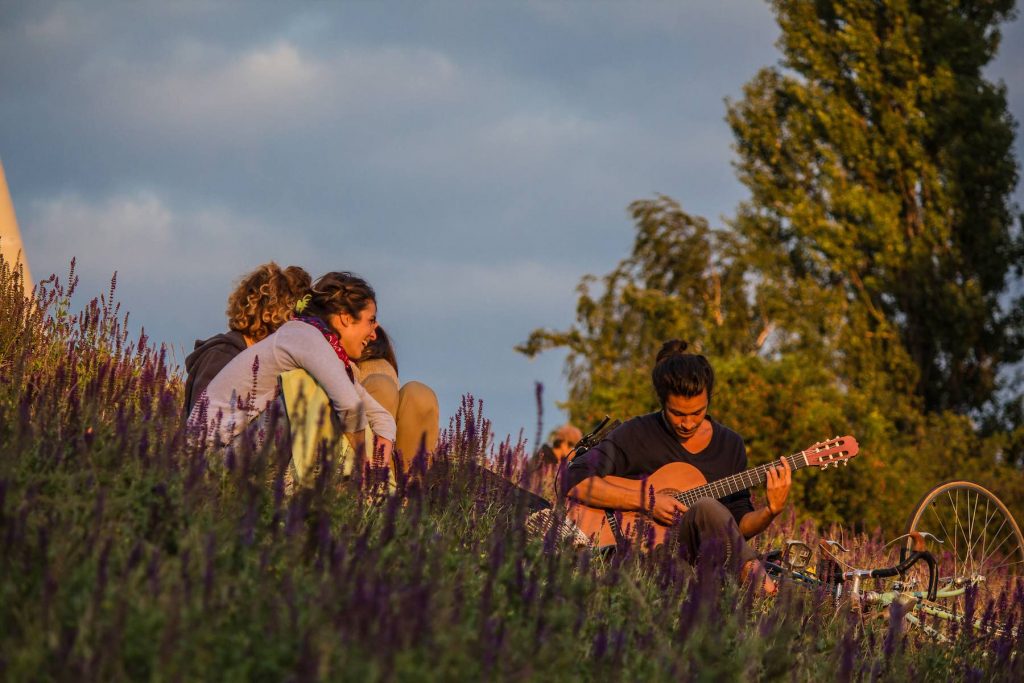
{"points": [[215, 101]]}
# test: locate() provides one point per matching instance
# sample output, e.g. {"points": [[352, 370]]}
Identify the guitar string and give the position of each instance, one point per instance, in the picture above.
{"points": [[731, 484], [735, 482]]}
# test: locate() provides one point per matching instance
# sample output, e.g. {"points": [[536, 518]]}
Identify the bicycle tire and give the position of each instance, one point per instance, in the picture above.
{"points": [[965, 526]]}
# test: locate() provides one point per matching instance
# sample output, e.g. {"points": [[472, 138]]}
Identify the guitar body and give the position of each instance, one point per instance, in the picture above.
{"points": [[672, 478]]}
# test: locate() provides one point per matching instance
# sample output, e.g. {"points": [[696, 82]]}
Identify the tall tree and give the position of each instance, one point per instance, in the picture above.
{"points": [[880, 168]]}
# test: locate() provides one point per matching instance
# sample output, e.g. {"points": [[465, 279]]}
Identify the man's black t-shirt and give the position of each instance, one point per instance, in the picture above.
{"points": [[642, 445]]}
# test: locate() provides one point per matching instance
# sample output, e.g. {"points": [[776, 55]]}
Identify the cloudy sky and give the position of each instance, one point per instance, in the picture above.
{"points": [[471, 160]]}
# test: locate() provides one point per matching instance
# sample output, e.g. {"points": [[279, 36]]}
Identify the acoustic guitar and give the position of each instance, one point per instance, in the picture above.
{"points": [[686, 484]]}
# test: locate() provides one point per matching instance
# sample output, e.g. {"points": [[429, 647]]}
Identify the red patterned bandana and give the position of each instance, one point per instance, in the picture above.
{"points": [[333, 339]]}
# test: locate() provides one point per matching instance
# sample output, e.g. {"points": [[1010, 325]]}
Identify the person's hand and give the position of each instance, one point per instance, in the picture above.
{"points": [[667, 509], [780, 477], [754, 571]]}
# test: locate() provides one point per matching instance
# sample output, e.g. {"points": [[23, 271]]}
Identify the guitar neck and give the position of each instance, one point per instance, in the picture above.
{"points": [[721, 488]]}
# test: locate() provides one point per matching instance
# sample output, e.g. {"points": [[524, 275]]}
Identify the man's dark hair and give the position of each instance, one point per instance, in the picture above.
{"points": [[677, 373]]}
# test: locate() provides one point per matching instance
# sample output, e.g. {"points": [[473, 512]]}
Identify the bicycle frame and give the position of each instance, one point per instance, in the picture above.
{"points": [[916, 603]]}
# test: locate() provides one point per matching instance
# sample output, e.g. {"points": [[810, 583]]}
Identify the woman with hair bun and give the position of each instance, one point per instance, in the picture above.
{"points": [[263, 301], [332, 327]]}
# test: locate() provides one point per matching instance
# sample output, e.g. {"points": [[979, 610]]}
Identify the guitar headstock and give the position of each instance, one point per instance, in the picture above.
{"points": [[836, 450]]}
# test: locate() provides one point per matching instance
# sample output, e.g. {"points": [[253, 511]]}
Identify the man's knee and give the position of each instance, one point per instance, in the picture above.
{"points": [[709, 513]]}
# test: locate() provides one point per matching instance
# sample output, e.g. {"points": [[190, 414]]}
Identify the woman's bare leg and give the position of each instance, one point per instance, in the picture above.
{"points": [[417, 418]]}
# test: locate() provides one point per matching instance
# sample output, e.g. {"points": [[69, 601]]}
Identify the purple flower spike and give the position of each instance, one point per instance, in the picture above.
{"points": [[600, 645], [186, 574], [153, 573], [893, 636], [101, 573]]}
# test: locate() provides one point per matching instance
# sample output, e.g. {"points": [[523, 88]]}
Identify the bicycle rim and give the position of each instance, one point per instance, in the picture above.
{"points": [[981, 538]]}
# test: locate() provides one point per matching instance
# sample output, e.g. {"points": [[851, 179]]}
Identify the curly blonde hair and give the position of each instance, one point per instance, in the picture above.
{"points": [[265, 298]]}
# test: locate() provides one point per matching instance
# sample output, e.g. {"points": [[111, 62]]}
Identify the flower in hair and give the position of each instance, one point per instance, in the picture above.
{"points": [[301, 304]]}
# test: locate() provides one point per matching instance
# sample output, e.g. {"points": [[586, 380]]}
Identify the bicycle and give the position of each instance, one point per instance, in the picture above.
{"points": [[844, 582]]}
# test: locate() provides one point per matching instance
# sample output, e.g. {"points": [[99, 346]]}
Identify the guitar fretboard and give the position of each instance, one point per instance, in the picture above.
{"points": [[721, 488]]}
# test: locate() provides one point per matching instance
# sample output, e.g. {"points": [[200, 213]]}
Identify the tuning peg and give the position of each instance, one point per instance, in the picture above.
{"points": [[845, 463]]}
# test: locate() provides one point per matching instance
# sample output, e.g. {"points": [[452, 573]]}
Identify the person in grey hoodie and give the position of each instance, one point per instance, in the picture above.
{"points": [[263, 301]]}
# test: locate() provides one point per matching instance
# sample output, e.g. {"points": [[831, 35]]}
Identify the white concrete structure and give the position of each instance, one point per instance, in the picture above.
{"points": [[10, 238]]}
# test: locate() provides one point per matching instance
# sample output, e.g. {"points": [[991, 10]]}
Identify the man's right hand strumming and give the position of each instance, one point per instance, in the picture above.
{"points": [[619, 493], [666, 508]]}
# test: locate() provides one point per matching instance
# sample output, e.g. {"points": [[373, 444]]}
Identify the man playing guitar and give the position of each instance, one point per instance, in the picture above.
{"points": [[611, 474]]}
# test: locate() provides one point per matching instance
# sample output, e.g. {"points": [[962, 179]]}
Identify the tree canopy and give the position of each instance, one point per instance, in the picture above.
{"points": [[880, 167]]}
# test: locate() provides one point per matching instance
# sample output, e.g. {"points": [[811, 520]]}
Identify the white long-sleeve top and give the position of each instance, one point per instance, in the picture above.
{"points": [[248, 383]]}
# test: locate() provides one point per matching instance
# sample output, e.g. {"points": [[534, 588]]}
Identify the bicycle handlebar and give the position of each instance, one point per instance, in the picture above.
{"points": [[901, 569], [831, 573]]}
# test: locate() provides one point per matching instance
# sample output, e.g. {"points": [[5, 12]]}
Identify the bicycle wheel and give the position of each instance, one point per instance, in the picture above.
{"points": [[983, 544]]}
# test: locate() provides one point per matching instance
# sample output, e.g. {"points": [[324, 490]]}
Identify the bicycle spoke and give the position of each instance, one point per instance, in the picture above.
{"points": [[970, 527], [1006, 564], [974, 516], [986, 550], [996, 546], [999, 545], [957, 527], [945, 532], [968, 559], [982, 532], [987, 520], [956, 516]]}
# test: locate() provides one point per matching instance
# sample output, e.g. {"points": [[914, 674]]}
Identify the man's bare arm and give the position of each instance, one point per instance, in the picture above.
{"points": [[620, 493], [755, 522], [616, 493]]}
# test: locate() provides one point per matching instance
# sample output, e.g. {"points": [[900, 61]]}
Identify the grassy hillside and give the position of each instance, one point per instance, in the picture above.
{"points": [[127, 552]]}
